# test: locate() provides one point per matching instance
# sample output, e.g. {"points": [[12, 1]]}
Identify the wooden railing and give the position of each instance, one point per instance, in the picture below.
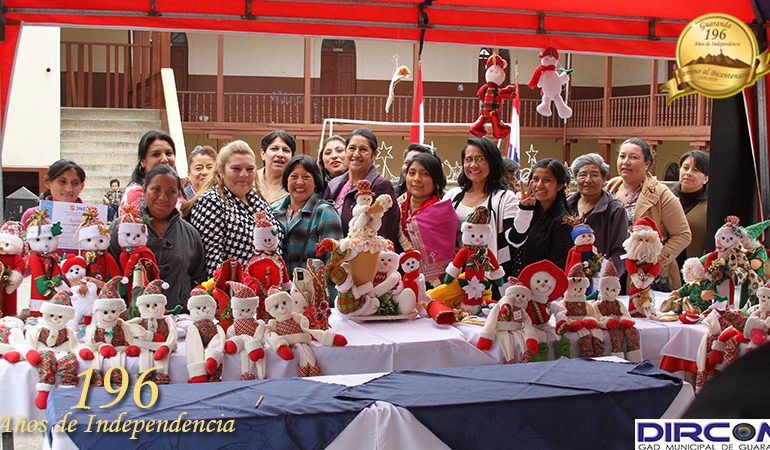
{"points": [[126, 80], [631, 111]]}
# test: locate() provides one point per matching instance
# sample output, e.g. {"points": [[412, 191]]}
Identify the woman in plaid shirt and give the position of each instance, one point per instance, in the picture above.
{"points": [[304, 215]]}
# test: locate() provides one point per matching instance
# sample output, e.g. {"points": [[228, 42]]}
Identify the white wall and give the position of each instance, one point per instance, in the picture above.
{"points": [[374, 59], [32, 126], [99, 51], [202, 53], [257, 55], [450, 62]]}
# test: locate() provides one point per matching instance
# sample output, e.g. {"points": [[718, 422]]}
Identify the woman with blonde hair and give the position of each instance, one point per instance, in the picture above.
{"points": [[223, 211]]}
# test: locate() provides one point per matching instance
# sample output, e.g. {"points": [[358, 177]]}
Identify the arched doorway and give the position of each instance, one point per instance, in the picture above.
{"points": [[338, 66]]}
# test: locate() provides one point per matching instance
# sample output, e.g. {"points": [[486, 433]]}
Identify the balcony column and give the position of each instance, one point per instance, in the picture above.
{"points": [[607, 91], [607, 151], [566, 149], [220, 79], [307, 96], [654, 147], [653, 91]]}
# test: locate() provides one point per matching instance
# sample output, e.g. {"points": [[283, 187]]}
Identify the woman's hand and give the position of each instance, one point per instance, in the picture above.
{"points": [[527, 199]]}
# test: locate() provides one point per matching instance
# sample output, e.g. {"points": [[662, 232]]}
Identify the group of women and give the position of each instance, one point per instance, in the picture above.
{"points": [[194, 229]]}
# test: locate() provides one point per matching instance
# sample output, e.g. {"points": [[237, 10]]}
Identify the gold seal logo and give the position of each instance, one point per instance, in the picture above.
{"points": [[717, 55]]}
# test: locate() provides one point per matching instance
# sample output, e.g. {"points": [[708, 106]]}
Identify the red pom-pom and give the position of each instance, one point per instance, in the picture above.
{"points": [[86, 354], [340, 341], [230, 347], [484, 344], [211, 366], [12, 357], [612, 324], [107, 351], [256, 354], [132, 350], [161, 353], [33, 357], [626, 323], [532, 345], [285, 352]]}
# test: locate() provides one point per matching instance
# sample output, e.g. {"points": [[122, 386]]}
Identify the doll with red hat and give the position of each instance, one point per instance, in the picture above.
{"points": [[51, 347], [93, 240], [267, 267], [476, 260], [577, 315], [109, 337], [12, 250], [84, 291], [205, 343], [584, 251], [412, 283], [137, 260], [246, 334], [549, 78], [43, 240], [614, 317], [491, 96], [546, 282], [509, 323], [643, 248], [159, 338]]}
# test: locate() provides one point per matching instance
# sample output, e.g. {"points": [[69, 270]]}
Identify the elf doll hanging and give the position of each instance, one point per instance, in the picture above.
{"points": [[12, 250], [476, 260], [246, 334], [614, 317], [546, 282], [549, 78], [266, 267], [93, 238], [575, 314], [205, 343], [643, 248], [43, 239], [491, 97], [160, 335]]}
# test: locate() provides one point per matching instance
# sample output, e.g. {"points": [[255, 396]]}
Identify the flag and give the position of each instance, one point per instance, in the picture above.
{"points": [[417, 133], [514, 139]]}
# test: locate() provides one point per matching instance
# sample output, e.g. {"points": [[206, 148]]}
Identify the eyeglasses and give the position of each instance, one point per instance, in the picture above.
{"points": [[592, 175], [470, 159]]}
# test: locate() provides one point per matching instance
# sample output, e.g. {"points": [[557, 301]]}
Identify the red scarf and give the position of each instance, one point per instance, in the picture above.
{"points": [[406, 206], [409, 282], [536, 76]]}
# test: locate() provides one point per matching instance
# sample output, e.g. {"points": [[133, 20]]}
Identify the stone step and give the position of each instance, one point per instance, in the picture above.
{"points": [[110, 113], [101, 136], [121, 124], [74, 145]]}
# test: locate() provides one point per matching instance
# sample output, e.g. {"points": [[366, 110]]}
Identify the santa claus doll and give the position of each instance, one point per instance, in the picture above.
{"points": [[491, 96], [643, 248]]}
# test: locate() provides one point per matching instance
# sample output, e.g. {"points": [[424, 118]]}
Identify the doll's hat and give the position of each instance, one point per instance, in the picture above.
{"points": [[153, 292], [109, 296], [549, 51], [72, 260], [577, 271], [200, 297], [91, 226], [60, 304], [410, 254], [364, 188], [40, 225], [15, 231], [497, 60], [609, 270], [552, 269], [754, 230], [645, 223], [242, 296]]}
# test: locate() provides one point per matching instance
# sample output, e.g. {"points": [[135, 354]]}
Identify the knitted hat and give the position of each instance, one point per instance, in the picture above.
{"points": [[545, 266], [732, 224], [59, 304], [131, 220], [581, 229], [14, 232], [242, 296], [550, 51], [153, 293], [645, 223], [577, 271], [262, 226], [610, 270], [496, 59], [477, 220], [91, 226], [410, 254], [109, 296], [72, 260], [754, 231], [200, 297], [364, 188], [39, 225]]}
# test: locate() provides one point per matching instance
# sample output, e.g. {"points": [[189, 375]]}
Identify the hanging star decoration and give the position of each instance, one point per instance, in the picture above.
{"points": [[532, 155], [454, 171], [381, 162]]}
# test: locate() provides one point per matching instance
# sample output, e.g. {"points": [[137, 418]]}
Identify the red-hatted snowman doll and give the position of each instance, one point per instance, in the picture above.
{"points": [[159, 338], [267, 267], [614, 317], [643, 248], [135, 257], [412, 285], [84, 293], [51, 347], [758, 324], [43, 240], [547, 282], [246, 334], [575, 314], [476, 260], [491, 96], [205, 343], [94, 239], [549, 78], [508, 320], [12, 236], [288, 332], [109, 337]]}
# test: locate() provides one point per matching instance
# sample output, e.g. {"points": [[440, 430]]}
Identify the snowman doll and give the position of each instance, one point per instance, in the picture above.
{"points": [[728, 266], [575, 314], [84, 292], [412, 284], [93, 238], [549, 79], [289, 332], [614, 317], [43, 239], [546, 282], [508, 322], [205, 343], [137, 260], [12, 251], [109, 337], [156, 335], [476, 260], [51, 347], [758, 324], [11, 338], [266, 267], [246, 334], [491, 96], [368, 211]]}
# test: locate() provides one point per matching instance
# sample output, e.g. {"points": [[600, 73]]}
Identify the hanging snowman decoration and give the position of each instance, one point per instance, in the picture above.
{"points": [[549, 78]]}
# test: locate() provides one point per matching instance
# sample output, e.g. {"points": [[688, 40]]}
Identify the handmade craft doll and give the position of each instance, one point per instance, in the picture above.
{"points": [[51, 347], [727, 266], [546, 282], [289, 332], [205, 343], [575, 314], [614, 317], [11, 338], [12, 236], [758, 323], [93, 240], [412, 285], [696, 295], [137, 260], [584, 251], [508, 322], [756, 255], [43, 240], [491, 96], [109, 337], [643, 248], [720, 346], [267, 267], [159, 338], [246, 334], [476, 260], [549, 78], [84, 293], [308, 294]]}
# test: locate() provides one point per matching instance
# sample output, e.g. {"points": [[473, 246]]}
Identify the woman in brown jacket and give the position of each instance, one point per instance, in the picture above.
{"points": [[643, 195], [692, 192]]}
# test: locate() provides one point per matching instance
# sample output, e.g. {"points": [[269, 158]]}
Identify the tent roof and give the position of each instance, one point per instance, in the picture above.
{"points": [[599, 26]]}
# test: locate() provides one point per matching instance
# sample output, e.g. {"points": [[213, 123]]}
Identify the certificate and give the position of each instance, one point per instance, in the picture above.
{"points": [[70, 215]]}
